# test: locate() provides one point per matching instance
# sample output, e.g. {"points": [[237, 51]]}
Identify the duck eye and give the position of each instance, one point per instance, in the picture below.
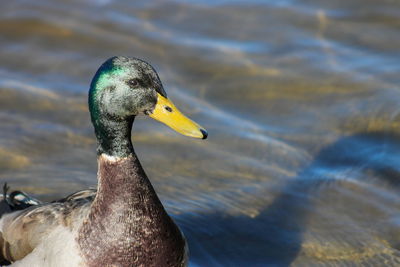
{"points": [[134, 83]]}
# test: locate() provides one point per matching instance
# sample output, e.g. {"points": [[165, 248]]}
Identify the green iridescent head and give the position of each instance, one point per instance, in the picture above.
{"points": [[123, 88]]}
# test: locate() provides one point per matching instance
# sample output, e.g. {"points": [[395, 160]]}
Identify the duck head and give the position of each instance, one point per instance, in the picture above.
{"points": [[123, 88]]}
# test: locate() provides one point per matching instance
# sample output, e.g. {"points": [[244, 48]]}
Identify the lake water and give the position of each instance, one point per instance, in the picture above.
{"points": [[300, 98]]}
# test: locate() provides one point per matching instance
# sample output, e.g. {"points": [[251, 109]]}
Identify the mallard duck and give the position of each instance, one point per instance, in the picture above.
{"points": [[123, 222]]}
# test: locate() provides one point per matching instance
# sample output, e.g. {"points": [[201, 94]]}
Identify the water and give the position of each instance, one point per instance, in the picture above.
{"points": [[300, 99]]}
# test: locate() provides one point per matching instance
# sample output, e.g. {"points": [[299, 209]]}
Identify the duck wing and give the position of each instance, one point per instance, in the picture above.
{"points": [[82, 194], [26, 222]]}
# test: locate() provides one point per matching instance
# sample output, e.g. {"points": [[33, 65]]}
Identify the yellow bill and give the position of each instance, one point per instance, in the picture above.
{"points": [[166, 112]]}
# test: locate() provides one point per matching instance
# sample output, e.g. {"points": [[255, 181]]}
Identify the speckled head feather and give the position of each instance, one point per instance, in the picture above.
{"points": [[124, 86], [121, 89]]}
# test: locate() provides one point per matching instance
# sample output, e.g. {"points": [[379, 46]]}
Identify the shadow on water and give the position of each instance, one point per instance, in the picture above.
{"points": [[274, 237]]}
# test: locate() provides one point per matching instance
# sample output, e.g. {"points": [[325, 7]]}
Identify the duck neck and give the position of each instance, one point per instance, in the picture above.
{"points": [[128, 219], [114, 136]]}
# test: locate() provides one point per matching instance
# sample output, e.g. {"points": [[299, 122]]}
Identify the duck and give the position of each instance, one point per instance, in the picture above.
{"points": [[122, 223]]}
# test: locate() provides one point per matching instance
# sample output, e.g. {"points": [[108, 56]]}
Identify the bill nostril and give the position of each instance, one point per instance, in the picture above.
{"points": [[167, 108]]}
